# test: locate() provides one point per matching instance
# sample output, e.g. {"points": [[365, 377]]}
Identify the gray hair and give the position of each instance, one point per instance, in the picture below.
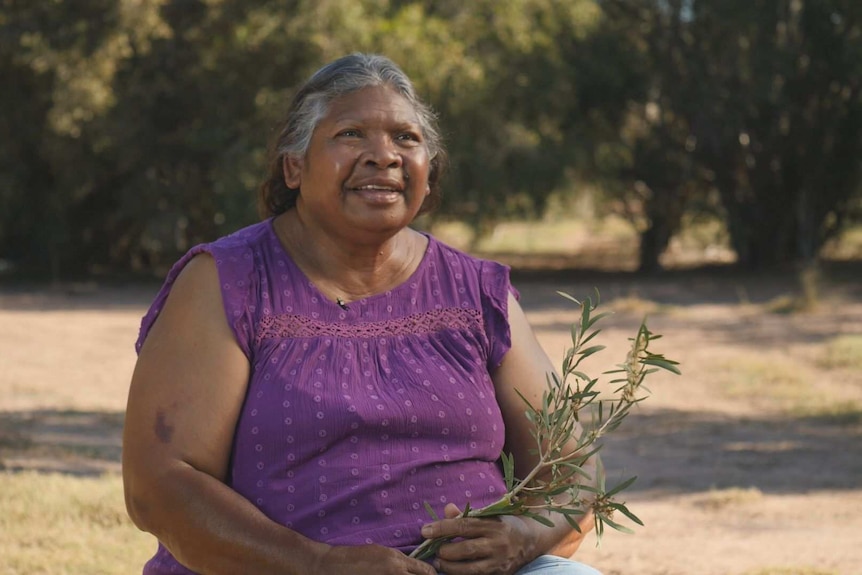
{"points": [[311, 104]]}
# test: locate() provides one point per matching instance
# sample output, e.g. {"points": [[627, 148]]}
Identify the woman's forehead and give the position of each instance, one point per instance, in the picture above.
{"points": [[372, 103]]}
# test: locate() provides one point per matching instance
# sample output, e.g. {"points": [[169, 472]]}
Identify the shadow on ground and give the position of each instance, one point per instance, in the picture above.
{"points": [[678, 452], [682, 287], [71, 442]]}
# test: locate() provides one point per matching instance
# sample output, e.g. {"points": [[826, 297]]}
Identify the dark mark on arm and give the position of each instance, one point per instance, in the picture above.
{"points": [[164, 431]]}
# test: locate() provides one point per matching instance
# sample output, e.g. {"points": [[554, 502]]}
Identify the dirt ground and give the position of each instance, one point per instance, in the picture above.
{"points": [[750, 463]]}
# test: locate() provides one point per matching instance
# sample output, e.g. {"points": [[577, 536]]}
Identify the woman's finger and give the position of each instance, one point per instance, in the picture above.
{"points": [[466, 527], [466, 550]]}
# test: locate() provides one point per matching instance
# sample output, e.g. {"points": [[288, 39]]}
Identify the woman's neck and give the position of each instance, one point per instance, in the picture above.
{"points": [[345, 269]]}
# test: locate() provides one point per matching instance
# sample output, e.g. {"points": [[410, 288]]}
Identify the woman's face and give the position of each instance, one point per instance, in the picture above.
{"points": [[366, 168]]}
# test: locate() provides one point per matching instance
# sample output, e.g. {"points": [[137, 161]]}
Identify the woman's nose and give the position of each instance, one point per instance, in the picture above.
{"points": [[382, 152]]}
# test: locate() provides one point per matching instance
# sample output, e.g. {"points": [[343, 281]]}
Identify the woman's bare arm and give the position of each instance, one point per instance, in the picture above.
{"points": [[186, 394], [525, 368]]}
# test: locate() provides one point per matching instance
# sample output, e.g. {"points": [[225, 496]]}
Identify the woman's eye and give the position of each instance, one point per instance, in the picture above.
{"points": [[349, 133], [408, 137]]}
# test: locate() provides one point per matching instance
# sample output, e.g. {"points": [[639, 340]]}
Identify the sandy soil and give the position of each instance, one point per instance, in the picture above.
{"points": [[750, 463]]}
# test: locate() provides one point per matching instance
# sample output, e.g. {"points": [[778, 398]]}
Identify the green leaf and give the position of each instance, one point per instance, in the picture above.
{"points": [[431, 512], [508, 469], [576, 335], [615, 525], [591, 350], [591, 336], [573, 523], [667, 364], [539, 518], [625, 511], [598, 317], [524, 399], [570, 511], [568, 297], [600, 473], [622, 486]]}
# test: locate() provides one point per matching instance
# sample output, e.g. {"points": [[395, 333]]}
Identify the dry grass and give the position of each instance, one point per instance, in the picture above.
{"points": [[723, 499], [759, 378], [58, 524], [843, 352]]}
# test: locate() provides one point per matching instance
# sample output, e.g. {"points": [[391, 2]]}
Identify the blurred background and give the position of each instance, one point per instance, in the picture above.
{"points": [[697, 161], [132, 129]]}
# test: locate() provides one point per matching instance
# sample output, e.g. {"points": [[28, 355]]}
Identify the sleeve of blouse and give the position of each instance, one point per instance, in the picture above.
{"points": [[496, 288], [235, 266]]}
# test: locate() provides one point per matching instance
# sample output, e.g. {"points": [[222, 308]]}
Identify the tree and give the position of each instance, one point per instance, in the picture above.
{"points": [[146, 122], [782, 131], [758, 100]]}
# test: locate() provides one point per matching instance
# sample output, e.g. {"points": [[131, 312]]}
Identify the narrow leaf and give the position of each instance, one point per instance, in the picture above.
{"points": [[622, 486], [431, 511], [667, 364]]}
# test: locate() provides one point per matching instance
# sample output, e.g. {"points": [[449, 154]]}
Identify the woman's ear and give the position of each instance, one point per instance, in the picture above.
{"points": [[291, 167]]}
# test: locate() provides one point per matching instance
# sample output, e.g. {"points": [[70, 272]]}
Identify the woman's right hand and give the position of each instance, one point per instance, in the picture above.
{"points": [[370, 559]]}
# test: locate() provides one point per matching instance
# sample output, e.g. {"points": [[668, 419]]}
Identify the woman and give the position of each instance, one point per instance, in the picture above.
{"points": [[306, 384]]}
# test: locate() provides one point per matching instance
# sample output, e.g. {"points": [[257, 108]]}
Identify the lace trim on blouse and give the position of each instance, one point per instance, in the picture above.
{"points": [[287, 326]]}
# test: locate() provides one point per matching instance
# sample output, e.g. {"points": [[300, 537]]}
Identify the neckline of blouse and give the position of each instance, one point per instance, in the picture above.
{"points": [[411, 279]]}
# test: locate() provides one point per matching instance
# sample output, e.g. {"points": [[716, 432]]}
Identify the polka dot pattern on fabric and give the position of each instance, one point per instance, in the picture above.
{"points": [[353, 419]]}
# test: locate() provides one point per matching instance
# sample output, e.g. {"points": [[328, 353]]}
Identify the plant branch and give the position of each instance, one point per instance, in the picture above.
{"points": [[559, 470]]}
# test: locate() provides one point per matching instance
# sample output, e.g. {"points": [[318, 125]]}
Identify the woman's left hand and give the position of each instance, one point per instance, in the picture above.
{"points": [[484, 546]]}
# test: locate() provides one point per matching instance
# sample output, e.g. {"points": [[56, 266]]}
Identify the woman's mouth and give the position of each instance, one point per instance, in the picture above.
{"points": [[376, 188], [377, 194]]}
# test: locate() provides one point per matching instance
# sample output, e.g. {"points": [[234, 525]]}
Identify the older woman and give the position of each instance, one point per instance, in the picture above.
{"points": [[306, 384]]}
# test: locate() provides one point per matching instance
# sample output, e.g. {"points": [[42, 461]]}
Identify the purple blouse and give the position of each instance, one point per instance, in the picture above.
{"points": [[354, 418]]}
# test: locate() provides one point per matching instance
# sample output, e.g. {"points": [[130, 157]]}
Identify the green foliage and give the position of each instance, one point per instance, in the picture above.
{"points": [[755, 104], [560, 482], [134, 129], [137, 129]]}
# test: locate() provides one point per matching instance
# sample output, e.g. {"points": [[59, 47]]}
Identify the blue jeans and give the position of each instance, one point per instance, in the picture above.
{"points": [[551, 565]]}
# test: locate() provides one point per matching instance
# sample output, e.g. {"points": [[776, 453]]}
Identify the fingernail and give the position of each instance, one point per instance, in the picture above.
{"points": [[426, 531]]}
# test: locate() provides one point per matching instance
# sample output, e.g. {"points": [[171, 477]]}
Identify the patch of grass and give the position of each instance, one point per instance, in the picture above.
{"points": [[63, 525], [787, 385], [719, 499], [789, 304], [635, 304], [808, 298], [844, 351], [847, 246], [550, 235], [701, 239], [849, 413], [759, 379]]}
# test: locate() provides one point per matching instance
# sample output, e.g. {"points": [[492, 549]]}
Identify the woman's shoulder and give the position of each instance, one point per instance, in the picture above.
{"points": [[229, 269], [447, 251], [248, 237], [457, 259]]}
